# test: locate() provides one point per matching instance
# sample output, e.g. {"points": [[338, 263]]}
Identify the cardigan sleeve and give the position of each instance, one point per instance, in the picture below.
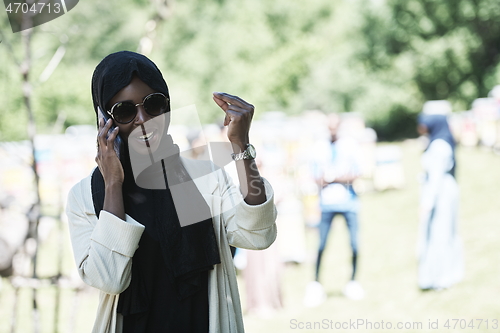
{"points": [[103, 248], [250, 227]]}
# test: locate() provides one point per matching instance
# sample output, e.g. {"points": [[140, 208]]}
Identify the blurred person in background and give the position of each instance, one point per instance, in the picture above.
{"points": [[263, 269], [439, 246], [337, 166]]}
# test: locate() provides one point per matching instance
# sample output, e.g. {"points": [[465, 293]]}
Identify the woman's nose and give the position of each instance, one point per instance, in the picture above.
{"points": [[142, 115]]}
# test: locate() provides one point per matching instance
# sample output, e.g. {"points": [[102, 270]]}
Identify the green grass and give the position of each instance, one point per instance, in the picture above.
{"points": [[387, 267]]}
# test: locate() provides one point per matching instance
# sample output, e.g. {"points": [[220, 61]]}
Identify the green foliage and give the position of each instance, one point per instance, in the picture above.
{"points": [[453, 47], [88, 33], [380, 58]]}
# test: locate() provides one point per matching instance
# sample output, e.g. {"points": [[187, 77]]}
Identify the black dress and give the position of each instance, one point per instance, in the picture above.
{"points": [[165, 311]]}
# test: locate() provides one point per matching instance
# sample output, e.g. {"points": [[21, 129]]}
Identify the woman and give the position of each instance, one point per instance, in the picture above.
{"points": [[160, 268], [439, 250]]}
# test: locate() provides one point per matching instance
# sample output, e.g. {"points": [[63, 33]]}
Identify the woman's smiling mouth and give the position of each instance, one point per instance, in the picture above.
{"points": [[147, 136]]}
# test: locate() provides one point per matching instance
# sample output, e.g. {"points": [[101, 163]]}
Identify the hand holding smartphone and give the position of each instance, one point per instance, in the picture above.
{"points": [[118, 140]]}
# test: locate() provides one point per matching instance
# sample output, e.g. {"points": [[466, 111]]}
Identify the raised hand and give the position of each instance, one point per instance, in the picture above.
{"points": [[238, 118]]}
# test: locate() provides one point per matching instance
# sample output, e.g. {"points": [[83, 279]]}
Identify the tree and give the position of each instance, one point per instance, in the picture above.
{"points": [[448, 49], [88, 33]]}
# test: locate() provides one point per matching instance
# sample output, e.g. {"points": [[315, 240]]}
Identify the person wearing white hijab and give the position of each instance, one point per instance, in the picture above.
{"points": [[439, 246]]}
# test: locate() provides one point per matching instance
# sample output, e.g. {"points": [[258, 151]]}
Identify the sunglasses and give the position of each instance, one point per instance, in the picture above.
{"points": [[155, 104]]}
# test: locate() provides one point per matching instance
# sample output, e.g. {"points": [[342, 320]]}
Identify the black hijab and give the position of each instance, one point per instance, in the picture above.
{"points": [[115, 72], [189, 251]]}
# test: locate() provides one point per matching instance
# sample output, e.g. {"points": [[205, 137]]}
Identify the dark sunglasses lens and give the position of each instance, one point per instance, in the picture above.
{"points": [[124, 112], [155, 104]]}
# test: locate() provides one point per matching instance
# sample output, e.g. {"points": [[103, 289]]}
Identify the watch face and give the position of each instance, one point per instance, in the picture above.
{"points": [[251, 151]]}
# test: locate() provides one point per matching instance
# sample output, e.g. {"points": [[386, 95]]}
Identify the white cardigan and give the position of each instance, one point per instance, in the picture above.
{"points": [[103, 248]]}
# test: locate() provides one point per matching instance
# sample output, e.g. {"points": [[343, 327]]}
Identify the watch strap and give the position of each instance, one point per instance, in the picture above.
{"points": [[244, 155]]}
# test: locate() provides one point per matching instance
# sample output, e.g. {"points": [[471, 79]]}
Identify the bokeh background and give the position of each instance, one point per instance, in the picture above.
{"points": [[374, 61]]}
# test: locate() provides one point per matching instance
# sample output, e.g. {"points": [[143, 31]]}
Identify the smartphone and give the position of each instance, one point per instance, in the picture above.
{"points": [[118, 139]]}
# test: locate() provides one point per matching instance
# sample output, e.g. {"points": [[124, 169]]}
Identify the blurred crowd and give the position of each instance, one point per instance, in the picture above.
{"points": [[286, 148], [481, 124]]}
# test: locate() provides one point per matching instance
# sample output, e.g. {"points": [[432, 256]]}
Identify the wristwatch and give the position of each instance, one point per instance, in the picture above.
{"points": [[248, 154]]}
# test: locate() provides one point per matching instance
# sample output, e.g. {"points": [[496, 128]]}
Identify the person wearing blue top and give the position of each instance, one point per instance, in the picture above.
{"points": [[339, 167]]}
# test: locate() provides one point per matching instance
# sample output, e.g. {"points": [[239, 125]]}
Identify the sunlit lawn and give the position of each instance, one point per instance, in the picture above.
{"points": [[387, 268]]}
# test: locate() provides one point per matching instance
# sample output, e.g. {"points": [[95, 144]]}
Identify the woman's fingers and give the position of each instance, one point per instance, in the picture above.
{"points": [[229, 102], [112, 136], [223, 105], [107, 159], [233, 100], [227, 120], [236, 112], [102, 135], [101, 132], [238, 117]]}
